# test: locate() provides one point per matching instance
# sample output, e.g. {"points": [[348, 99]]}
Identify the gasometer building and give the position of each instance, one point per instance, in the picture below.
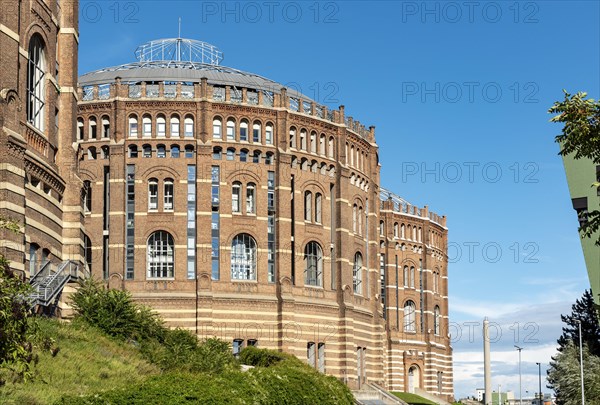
{"points": [[240, 209]]}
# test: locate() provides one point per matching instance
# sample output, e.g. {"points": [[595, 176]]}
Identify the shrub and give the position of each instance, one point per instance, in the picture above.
{"points": [[114, 312], [254, 356]]}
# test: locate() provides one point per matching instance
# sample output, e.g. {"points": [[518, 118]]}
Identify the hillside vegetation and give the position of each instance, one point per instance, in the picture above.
{"points": [[117, 352]]}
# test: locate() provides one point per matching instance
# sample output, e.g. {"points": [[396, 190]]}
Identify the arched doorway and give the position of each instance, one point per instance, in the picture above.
{"points": [[413, 378]]}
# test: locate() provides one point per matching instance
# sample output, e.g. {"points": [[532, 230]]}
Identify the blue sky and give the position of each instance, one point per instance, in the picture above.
{"points": [[459, 93]]}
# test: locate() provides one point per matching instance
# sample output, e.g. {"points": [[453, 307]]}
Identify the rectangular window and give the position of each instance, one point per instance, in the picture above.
{"points": [[189, 129], [311, 354], [269, 135], [250, 209], [256, 135], [271, 191], [130, 217], [215, 236], [237, 347], [243, 133], [105, 130], [147, 129], [215, 180], [191, 222], [93, 131], [321, 357], [174, 129], [230, 131], [161, 129]]}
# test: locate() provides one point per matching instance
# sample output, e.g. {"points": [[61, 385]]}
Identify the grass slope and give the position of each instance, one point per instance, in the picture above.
{"points": [[413, 399], [87, 361]]}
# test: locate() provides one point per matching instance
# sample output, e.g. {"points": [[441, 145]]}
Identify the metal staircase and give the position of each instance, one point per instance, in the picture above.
{"points": [[49, 282]]}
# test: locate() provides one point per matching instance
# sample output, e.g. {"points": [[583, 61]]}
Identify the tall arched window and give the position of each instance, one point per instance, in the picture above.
{"points": [[161, 126], [357, 273], [147, 126], [322, 144], [243, 257], [256, 132], [406, 276], [33, 264], [160, 255], [436, 320], [292, 137], [188, 127], [313, 260], [360, 216], [414, 233], [93, 128], [80, 129], [168, 195], [230, 129], [313, 142], [269, 134], [395, 229], [318, 208], [251, 198], [381, 228], [307, 206], [303, 139], [403, 231], [217, 128], [410, 317], [36, 83], [331, 147], [174, 126], [412, 277], [236, 190], [244, 130], [133, 126], [152, 194], [354, 217]]}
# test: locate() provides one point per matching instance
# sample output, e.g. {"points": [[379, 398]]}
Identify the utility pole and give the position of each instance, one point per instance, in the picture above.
{"points": [[520, 392], [540, 381]]}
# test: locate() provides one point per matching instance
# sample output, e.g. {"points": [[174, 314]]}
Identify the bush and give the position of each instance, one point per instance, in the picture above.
{"points": [[114, 312], [253, 356]]}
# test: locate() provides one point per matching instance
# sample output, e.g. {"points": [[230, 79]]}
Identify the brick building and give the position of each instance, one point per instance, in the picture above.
{"points": [[234, 207]]}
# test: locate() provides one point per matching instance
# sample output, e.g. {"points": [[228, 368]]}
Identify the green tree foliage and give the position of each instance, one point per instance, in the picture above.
{"points": [[580, 137], [584, 310], [565, 376], [17, 329]]}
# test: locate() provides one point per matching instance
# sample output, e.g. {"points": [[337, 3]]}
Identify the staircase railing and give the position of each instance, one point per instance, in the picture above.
{"points": [[48, 284]]}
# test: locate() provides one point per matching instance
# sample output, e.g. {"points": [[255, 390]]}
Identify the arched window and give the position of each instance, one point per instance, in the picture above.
{"points": [[357, 273], [414, 233], [161, 126], [168, 195], [147, 151], [269, 134], [410, 317], [133, 126], [292, 137], [406, 277], [313, 142], [105, 152], [236, 190], [412, 277], [174, 126], [80, 129], [352, 155], [304, 164], [91, 152], [322, 144], [105, 127], [189, 151], [354, 217], [269, 158], [243, 257], [256, 156], [420, 235], [174, 151], [313, 264], [307, 206], [403, 231], [161, 151], [381, 228], [360, 216], [152, 194], [303, 139], [33, 264], [436, 320], [160, 255], [87, 252], [244, 130], [146, 126], [318, 208], [217, 128], [217, 152], [331, 147], [243, 155], [93, 128], [133, 151], [256, 132], [396, 229], [36, 83], [230, 154], [188, 127], [250, 198], [230, 129]]}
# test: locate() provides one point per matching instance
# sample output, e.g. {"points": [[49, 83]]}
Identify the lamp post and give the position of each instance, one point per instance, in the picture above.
{"points": [[520, 392], [540, 381], [581, 363]]}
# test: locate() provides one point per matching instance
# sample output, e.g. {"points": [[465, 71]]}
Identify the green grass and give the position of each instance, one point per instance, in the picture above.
{"points": [[413, 399], [87, 362]]}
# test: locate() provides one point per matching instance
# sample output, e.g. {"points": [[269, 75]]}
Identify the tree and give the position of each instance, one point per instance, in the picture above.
{"points": [[580, 137], [16, 327], [584, 310], [564, 375]]}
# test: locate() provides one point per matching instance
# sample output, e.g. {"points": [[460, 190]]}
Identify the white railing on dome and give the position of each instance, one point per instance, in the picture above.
{"points": [[179, 50]]}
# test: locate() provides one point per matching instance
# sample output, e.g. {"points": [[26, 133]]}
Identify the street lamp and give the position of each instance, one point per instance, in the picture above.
{"points": [[540, 381], [581, 362], [520, 392]]}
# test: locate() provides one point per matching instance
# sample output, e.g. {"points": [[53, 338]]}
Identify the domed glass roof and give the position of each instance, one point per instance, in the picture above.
{"points": [[181, 60]]}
